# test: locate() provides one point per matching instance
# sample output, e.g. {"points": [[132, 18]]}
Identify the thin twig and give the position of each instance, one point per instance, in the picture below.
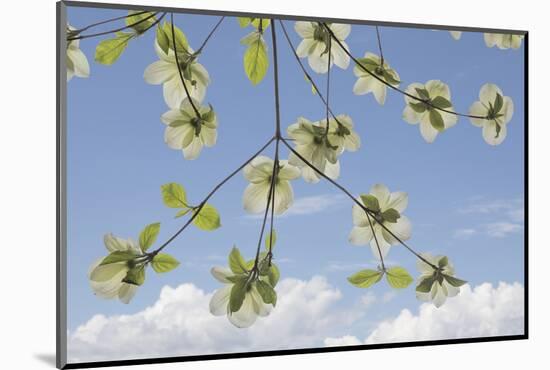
{"points": [[212, 192], [380, 47], [328, 86], [304, 70], [80, 30], [199, 50], [425, 101], [197, 113], [376, 241], [356, 201], [81, 37]]}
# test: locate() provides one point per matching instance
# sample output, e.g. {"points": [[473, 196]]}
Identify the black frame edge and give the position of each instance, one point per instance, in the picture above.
{"points": [[61, 337]]}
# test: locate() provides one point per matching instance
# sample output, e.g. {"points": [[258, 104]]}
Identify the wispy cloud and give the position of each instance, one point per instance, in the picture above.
{"points": [[505, 217], [464, 233], [502, 229]]}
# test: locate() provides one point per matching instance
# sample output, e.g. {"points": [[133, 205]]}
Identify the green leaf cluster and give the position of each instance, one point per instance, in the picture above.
{"points": [[166, 42], [140, 21], [397, 277], [205, 216], [245, 279]]}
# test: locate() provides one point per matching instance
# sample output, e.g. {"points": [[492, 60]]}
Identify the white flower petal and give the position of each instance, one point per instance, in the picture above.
{"points": [[208, 136], [259, 169], [255, 197], [81, 67], [477, 109], [488, 93], [179, 137], [220, 300], [127, 292], [193, 150], [304, 47], [159, 72], [340, 30], [304, 29], [382, 244], [382, 193], [221, 274], [246, 316], [398, 201], [410, 116], [428, 132], [379, 91], [339, 55], [284, 196], [360, 235], [490, 133], [111, 271], [402, 229], [364, 85], [359, 216]]}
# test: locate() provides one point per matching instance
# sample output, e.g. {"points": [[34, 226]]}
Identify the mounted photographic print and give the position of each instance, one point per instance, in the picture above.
{"points": [[236, 184]]}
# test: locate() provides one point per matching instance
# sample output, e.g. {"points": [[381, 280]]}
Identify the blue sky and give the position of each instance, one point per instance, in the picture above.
{"points": [[465, 197]]}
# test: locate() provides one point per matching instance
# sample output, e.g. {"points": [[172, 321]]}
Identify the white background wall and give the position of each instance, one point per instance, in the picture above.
{"points": [[27, 170]]}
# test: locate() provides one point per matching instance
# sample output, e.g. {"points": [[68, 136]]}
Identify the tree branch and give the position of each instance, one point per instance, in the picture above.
{"points": [[427, 102], [197, 113], [81, 37], [304, 70], [356, 201], [199, 50], [212, 192]]}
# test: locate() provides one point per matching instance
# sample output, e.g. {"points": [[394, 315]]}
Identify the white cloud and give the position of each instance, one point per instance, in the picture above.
{"points": [[179, 323], [493, 206], [502, 229], [464, 233], [479, 312], [310, 205]]}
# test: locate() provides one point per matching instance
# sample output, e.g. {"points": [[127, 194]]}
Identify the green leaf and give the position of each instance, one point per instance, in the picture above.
{"points": [[273, 275], [422, 93], [425, 286], [243, 21], [454, 281], [237, 264], [148, 236], [256, 23], [141, 26], [163, 262], [209, 116], [391, 215], [182, 45], [436, 120], [371, 202], [108, 51], [162, 39], [255, 60], [237, 295], [365, 278], [444, 261], [208, 218], [441, 102], [135, 276], [398, 277], [118, 256], [389, 78], [183, 212], [268, 294], [499, 102], [173, 195], [418, 107], [270, 240]]}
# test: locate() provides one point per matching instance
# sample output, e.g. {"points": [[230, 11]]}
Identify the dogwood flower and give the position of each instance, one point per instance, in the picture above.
{"points": [[106, 280], [77, 63], [498, 109], [252, 306], [315, 45], [432, 121], [322, 148], [165, 72], [456, 34], [186, 132], [503, 41], [367, 83], [436, 285], [388, 208], [259, 172]]}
